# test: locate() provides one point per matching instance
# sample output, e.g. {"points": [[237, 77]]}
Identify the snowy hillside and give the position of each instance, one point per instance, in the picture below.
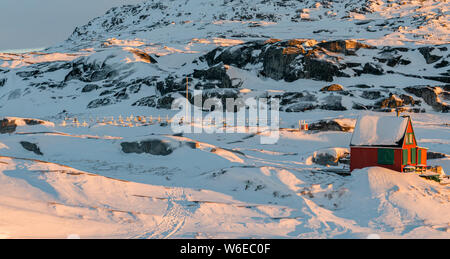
{"points": [[224, 186], [86, 149]]}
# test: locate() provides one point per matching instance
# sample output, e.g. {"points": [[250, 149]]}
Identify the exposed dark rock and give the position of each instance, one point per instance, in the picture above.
{"points": [[371, 95], [320, 69], [330, 125], [426, 53], [25, 74], [352, 64], [2, 82], [165, 102], [192, 145], [171, 84], [239, 56], [430, 96], [277, 61], [435, 155], [374, 69], [101, 102], [87, 72], [144, 56], [332, 88], [286, 60], [217, 72], [294, 97], [443, 79], [121, 95], [391, 102], [89, 88], [154, 147], [7, 126], [408, 100], [362, 86], [31, 147], [388, 49], [149, 101], [443, 63], [347, 47], [333, 103], [220, 96], [393, 61], [32, 122], [328, 159], [106, 92], [301, 107]]}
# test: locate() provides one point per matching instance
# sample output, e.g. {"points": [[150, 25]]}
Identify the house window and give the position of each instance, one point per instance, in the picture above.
{"points": [[405, 156], [385, 156], [409, 139]]}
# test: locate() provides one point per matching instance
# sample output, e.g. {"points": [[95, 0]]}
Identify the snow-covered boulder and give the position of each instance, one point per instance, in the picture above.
{"points": [[330, 156], [155, 147], [341, 124]]}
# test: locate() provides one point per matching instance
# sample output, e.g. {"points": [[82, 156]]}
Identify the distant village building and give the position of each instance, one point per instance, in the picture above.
{"points": [[386, 141]]}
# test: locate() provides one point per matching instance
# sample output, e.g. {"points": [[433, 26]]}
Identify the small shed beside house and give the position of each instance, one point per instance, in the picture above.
{"points": [[386, 141]]}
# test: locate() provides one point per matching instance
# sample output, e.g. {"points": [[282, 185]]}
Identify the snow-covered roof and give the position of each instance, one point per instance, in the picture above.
{"points": [[372, 130]]}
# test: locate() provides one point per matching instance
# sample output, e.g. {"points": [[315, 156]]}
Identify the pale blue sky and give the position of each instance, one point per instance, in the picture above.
{"points": [[42, 23]]}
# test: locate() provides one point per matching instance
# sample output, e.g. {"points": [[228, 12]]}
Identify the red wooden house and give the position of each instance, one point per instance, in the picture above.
{"points": [[386, 141]]}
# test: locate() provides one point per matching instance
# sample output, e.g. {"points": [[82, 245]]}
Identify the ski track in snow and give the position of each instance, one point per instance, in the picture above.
{"points": [[173, 219]]}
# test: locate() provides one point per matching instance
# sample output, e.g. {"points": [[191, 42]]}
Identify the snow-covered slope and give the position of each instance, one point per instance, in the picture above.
{"points": [[41, 199], [385, 22], [93, 182], [383, 53]]}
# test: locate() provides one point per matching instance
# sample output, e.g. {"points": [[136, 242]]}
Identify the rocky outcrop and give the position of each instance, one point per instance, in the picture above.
{"points": [[240, 56], [315, 67], [301, 107], [346, 47], [373, 69], [426, 53], [89, 88], [2, 82], [371, 95], [332, 88], [279, 62], [435, 155], [154, 147], [297, 102], [391, 102], [217, 75], [288, 60], [7, 126], [330, 157], [32, 122], [165, 102], [332, 103], [431, 96], [85, 71], [149, 101], [101, 102], [31, 147], [143, 56], [331, 125]]}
